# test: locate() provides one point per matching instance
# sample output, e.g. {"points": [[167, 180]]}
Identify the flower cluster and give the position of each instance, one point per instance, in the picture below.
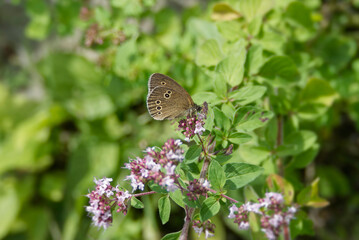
{"points": [[193, 123], [103, 199], [158, 166], [207, 227], [196, 188], [93, 35], [274, 214]]}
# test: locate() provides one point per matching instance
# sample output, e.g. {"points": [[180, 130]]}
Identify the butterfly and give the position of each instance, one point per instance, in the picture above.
{"points": [[167, 99]]}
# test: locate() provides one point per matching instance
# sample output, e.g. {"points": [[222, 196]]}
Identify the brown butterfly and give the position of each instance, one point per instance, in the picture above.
{"points": [[167, 99]]}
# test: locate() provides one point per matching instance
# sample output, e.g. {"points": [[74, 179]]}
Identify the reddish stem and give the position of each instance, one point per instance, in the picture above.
{"points": [[222, 195], [286, 232], [143, 194]]}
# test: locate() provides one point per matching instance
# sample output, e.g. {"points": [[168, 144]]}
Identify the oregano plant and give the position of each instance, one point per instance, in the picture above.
{"points": [[197, 180], [238, 157]]}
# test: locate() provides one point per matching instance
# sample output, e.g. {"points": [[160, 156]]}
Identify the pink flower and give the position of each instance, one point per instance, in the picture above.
{"points": [[206, 184], [274, 214], [269, 234], [103, 199], [157, 165], [272, 196], [193, 124], [232, 209], [207, 227]]}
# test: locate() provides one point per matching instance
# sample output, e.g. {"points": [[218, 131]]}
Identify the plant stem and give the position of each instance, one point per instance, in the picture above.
{"points": [[143, 194], [223, 195], [286, 232], [202, 144], [187, 221], [189, 211], [279, 143]]}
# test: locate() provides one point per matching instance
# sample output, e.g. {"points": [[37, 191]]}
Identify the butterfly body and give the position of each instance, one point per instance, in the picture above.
{"points": [[167, 99]]}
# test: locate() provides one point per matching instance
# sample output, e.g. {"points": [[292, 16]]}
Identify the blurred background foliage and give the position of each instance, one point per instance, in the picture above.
{"points": [[74, 83]]}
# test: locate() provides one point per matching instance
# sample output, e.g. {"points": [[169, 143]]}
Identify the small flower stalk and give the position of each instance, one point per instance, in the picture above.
{"points": [[274, 214]]}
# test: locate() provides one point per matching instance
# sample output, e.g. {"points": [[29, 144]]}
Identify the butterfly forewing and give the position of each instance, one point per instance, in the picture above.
{"points": [[158, 79]]}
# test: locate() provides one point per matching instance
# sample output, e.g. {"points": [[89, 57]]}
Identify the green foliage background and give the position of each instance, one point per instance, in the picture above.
{"points": [[72, 103]]}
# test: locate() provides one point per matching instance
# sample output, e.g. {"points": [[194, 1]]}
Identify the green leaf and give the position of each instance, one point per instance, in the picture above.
{"points": [[250, 118], [222, 158], [250, 8], [209, 53], [222, 121], [220, 85], [157, 188], [102, 16], [208, 97], [164, 208], [210, 207], [91, 105], [305, 158], [190, 167], [124, 57], [239, 138], [254, 59], [210, 120], [204, 30], [193, 153], [38, 27], [309, 196], [336, 50], [231, 30], [52, 186], [128, 7], [298, 13], [10, 206], [70, 82], [272, 40], [254, 154], [216, 175], [37, 219], [255, 26], [247, 94], [40, 19], [310, 111], [296, 142], [172, 236], [279, 66], [28, 142], [231, 68], [136, 203], [240, 174], [228, 109], [318, 91], [301, 225], [224, 12], [177, 197]]}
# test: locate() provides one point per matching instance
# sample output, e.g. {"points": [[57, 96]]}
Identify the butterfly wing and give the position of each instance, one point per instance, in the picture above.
{"points": [[158, 79], [167, 103]]}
